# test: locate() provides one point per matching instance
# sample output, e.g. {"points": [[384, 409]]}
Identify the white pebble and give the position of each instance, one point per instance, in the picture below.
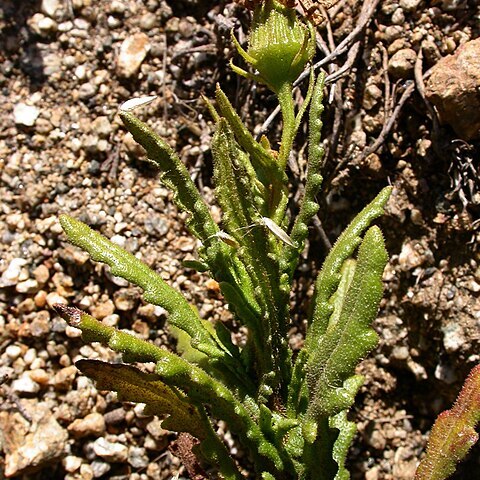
{"points": [[25, 114], [13, 352], [13, 272], [25, 384]]}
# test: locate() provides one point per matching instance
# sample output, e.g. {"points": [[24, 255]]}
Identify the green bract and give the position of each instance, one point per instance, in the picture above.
{"points": [[279, 45]]}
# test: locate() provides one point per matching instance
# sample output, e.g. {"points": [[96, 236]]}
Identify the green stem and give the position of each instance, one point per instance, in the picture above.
{"points": [[287, 106]]}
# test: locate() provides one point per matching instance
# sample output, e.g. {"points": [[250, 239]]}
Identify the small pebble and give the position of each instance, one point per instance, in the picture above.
{"points": [[71, 463], [99, 468], [25, 114], [53, 298], [13, 352], [133, 51], [401, 64], [40, 376], [64, 378], [109, 451], [25, 384], [28, 286], [13, 273], [92, 425], [137, 457]]}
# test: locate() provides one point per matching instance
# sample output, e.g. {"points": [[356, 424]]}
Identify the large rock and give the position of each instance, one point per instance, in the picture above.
{"points": [[454, 89]]}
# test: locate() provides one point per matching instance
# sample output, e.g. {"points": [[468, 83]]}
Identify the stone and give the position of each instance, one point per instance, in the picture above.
{"points": [[13, 274], [71, 463], [99, 468], [137, 457], [102, 309], [402, 63], [102, 127], [40, 325], [453, 88], [92, 425], [110, 451], [453, 337], [25, 385], [41, 274], [13, 352], [51, 8], [24, 114], [409, 5], [28, 286], [126, 299], [53, 298], [133, 51], [64, 378], [32, 445]]}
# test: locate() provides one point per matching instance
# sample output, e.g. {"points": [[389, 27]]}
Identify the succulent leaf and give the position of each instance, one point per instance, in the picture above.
{"points": [[349, 336]]}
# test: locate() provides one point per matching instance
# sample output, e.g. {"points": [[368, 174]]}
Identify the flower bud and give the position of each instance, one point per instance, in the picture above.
{"points": [[280, 45]]}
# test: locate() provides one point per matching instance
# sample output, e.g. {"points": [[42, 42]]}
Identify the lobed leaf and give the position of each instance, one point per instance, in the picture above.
{"points": [[329, 277], [156, 290], [349, 337], [308, 205], [453, 433], [133, 385], [174, 175]]}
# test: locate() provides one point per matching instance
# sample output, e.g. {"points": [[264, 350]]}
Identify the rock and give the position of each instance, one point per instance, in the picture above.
{"points": [[102, 127], [28, 286], [13, 352], [377, 440], [409, 5], [52, 8], [115, 417], [133, 51], [40, 325], [25, 114], [109, 451], [13, 274], [40, 376], [413, 254], [137, 457], [126, 299], [453, 88], [102, 309], [31, 446], [25, 385], [92, 425], [155, 429], [87, 90], [373, 94], [53, 298], [99, 468], [64, 378], [41, 274], [453, 337], [445, 373], [402, 63], [71, 463], [148, 21], [42, 25]]}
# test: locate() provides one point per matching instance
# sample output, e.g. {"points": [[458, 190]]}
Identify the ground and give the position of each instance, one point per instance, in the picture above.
{"points": [[63, 75]]}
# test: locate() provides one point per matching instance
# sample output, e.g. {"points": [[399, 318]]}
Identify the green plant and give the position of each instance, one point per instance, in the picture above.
{"points": [[289, 412]]}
